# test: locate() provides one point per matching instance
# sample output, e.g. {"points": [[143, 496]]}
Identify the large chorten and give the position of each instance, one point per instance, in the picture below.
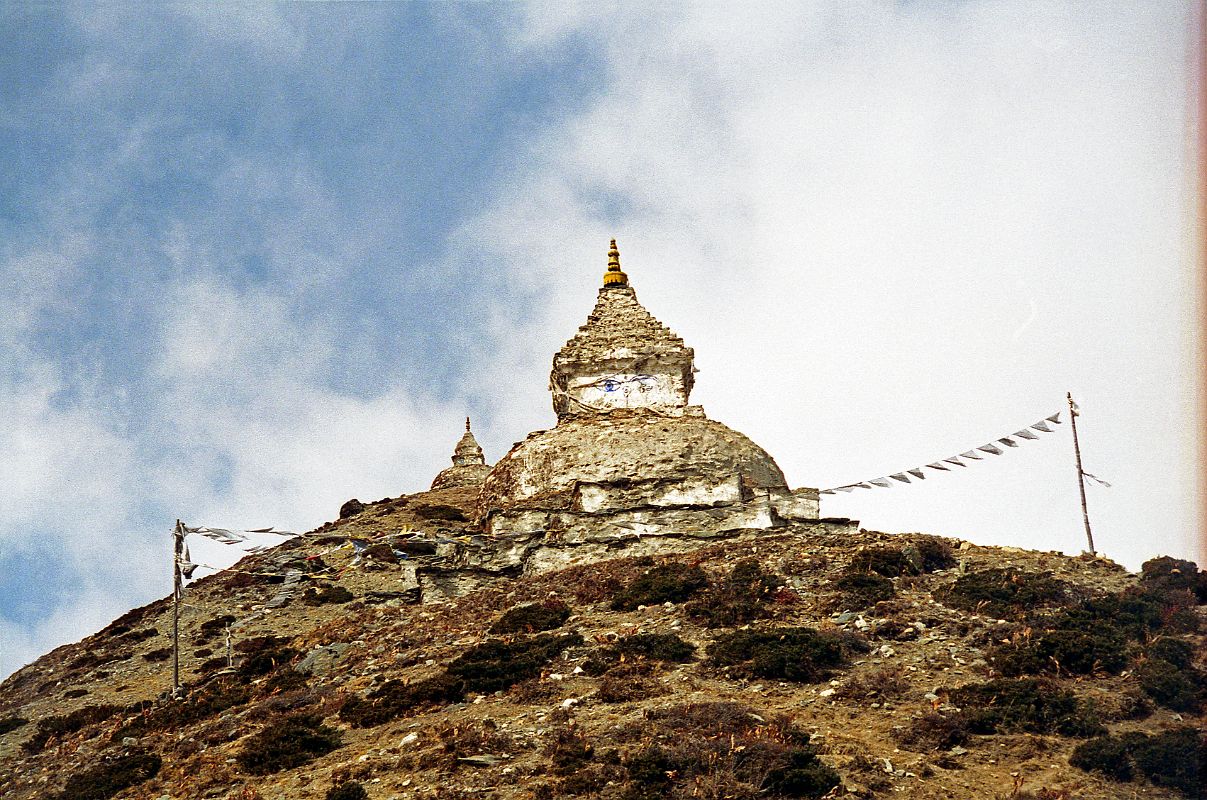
{"points": [[628, 453]]}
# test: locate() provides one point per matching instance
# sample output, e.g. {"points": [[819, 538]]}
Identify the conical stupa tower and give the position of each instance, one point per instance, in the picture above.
{"points": [[469, 465]]}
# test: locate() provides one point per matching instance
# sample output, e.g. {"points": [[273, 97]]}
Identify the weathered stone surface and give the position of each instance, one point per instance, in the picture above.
{"points": [[621, 358]]}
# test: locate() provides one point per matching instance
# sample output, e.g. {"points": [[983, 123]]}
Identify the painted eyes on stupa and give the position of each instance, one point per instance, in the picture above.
{"points": [[642, 382]]}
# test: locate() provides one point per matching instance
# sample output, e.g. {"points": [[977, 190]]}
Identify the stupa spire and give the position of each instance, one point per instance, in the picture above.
{"points": [[614, 276]]}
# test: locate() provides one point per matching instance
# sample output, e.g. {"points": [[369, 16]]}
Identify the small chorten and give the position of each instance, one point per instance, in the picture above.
{"points": [[621, 358], [469, 465]]}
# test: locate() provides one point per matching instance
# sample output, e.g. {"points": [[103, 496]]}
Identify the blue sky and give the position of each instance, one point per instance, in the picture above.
{"points": [[256, 260]]}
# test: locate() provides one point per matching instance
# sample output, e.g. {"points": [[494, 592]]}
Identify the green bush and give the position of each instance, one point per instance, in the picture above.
{"points": [[11, 724], [1165, 574], [1073, 651], [655, 646], [495, 665], [1109, 755], [315, 596], [889, 562], [1024, 705], [349, 790], [569, 751], [1004, 592], [488, 667], [202, 703], [394, 699], [1169, 686], [740, 598], [805, 655], [1178, 652], [67, 724], [802, 776], [110, 777], [863, 589], [933, 552], [672, 583], [729, 747], [533, 618], [1173, 758], [286, 744], [933, 731]]}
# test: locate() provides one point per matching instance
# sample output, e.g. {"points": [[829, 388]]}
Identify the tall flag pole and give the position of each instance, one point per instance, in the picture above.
{"points": [[177, 585], [1085, 514]]}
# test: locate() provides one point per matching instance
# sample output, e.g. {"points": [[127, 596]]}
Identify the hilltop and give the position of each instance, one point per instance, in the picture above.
{"points": [[806, 660]]}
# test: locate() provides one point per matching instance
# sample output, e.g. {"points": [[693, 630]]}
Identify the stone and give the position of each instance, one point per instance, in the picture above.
{"points": [[351, 508]]}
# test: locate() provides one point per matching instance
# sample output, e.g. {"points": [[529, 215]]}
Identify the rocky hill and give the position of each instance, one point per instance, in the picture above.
{"points": [[802, 661]]}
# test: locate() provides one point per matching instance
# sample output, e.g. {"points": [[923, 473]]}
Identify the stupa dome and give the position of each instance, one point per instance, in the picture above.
{"points": [[630, 459]]}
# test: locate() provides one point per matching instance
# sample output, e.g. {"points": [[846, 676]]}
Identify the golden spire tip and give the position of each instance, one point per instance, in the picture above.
{"points": [[614, 276], [467, 423]]}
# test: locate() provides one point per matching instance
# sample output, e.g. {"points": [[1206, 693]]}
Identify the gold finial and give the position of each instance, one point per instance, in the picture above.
{"points": [[614, 276], [467, 423]]}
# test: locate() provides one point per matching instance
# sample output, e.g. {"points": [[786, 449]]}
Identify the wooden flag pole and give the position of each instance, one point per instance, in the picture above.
{"points": [[1085, 513], [178, 552]]}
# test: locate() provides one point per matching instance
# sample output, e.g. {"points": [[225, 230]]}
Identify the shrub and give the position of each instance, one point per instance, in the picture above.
{"points": [[203, 703], [1004, 592], [495, 665], [286, 744], [656, 646], [802, 776], [1176, 651], [794, 654], [1174, 688], [1109, 755], [934, 553], [110, 777], [861, 589], [1165, 574], [668, 583], [1173, 758], [1073, 651], [1025, 705], [214, 625], [884, 683], [162, 654], [933, 731], [728, 748], [8, 724], [67, 724], [629, 681], [740, 598], [351, 508], [436, 511], [394, 699], [328, 594], [889, 562], [568, 751], [533, 618], [488, 667], [649, 774]]}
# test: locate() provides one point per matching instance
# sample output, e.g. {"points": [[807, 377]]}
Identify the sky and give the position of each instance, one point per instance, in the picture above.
{"points": [[257, 259]]}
